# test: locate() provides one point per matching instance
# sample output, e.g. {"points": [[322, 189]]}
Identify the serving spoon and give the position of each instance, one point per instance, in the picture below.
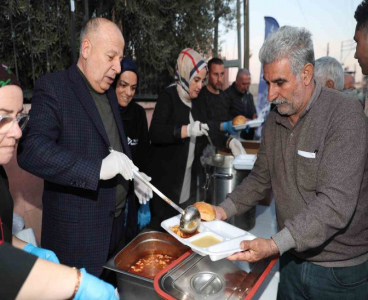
{"points": [[217, 158], [212, 146], [190, 218]]}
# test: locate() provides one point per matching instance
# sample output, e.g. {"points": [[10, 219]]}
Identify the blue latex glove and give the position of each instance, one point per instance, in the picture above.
{"points": [[228, 127], [144, 216], [91, 287], [41, 253]]}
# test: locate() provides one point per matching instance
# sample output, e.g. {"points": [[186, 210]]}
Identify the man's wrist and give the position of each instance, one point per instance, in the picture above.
{"points": [[273, 248]]}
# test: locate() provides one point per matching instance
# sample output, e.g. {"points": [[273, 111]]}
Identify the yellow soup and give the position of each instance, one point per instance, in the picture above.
{"points": [[206, 241]]}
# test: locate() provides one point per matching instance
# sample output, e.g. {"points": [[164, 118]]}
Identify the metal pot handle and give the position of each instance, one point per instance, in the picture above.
{"points": [[208, 182], [223, 176], [216, 175]]}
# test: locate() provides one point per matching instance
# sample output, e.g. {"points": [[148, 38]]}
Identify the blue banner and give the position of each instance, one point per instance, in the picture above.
{"points": [[263, 106]]}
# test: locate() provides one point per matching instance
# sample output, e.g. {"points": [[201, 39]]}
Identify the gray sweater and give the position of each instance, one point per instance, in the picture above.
{"points": [[318, 171]]}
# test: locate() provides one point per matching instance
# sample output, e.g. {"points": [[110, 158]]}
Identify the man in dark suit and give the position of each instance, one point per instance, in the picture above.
{"points": [[75, 141]]}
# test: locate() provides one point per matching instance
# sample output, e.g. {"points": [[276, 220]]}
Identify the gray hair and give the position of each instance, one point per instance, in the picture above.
{"points": [[328, 68], [91, 25], [289, 42], [242, 72]]}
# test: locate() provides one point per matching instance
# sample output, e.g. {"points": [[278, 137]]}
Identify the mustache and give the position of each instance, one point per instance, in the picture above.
{"points": [[278, 101]]}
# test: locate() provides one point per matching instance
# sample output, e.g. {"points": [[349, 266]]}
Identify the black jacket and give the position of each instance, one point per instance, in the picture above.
{"points": [[170, 151], [15, 266], [136, 130], [216, 105], [240, 104]]}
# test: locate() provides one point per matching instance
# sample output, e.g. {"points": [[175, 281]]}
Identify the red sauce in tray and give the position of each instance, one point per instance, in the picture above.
{"points": [[149, 265], [177, 231]]}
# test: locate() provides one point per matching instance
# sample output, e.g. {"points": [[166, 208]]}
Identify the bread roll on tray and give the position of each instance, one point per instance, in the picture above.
{"points": [[239, 120], [206, 210]]}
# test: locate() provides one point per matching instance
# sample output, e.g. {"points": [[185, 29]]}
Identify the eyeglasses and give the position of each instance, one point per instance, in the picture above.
{"points": [[7, 122]]}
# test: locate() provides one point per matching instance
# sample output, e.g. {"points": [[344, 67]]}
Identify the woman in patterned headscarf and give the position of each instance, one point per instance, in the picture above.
{"points": [[177, 133]]}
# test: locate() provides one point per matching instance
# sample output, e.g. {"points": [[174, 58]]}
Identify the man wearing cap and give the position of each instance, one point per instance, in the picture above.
{"points": [[75, 142]]}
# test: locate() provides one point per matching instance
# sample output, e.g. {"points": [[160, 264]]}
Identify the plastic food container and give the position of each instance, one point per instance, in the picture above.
{"points": [[244, 161], [228, 235], [251, 124]]}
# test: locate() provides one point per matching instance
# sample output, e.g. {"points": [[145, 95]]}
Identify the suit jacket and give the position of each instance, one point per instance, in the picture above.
{"points": [[64, 143]]}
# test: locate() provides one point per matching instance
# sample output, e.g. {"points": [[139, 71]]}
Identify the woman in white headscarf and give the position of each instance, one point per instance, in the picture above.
{"points": [[178, 136]]}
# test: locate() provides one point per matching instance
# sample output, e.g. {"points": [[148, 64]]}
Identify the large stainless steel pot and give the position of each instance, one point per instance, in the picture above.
{"points": [[221, 179]]}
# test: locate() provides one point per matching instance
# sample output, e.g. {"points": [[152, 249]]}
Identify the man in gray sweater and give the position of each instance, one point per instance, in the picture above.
{"points": [[313, 155]]}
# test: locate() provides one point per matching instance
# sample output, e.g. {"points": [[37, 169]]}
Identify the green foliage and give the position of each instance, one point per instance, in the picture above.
{"points": [[35, 36], [155, 32]]}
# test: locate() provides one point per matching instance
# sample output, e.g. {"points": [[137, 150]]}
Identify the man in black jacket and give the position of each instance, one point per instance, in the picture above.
{"points": [[241, 100], [217, 108]]}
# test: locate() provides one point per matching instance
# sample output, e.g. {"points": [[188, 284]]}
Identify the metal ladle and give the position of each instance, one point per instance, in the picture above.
{"points": [[217, 158], [213, 147], [190, 217]]}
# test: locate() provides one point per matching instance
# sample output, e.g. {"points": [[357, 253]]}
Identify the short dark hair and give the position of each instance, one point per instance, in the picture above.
{"points": [[216, 61], [361, 16]]}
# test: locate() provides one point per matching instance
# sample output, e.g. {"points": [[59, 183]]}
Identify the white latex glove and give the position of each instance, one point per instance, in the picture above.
{"points": [[236, 147], [143, 192], [197, 129], [117, 163]]}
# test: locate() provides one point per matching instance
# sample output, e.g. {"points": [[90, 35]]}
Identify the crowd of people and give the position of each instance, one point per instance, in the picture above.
{"points": [[90, 143]]}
